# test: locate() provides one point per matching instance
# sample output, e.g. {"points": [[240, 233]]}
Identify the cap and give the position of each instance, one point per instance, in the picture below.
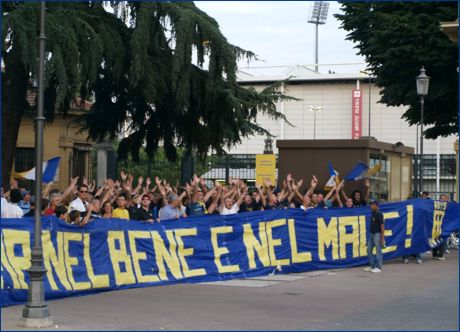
{"points": [[25, 192], [374, 201]]}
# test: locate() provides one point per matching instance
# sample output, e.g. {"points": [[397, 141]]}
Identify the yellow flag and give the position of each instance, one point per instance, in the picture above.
{"points": [[374, 170]]}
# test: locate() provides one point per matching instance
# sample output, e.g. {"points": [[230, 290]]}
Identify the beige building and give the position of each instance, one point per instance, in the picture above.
{"points": [[331, 96], [61, 138]]}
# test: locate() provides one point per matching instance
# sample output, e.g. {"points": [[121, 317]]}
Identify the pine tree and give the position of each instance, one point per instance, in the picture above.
{"points": [[181, 87], [162, 67], [81, 37]]}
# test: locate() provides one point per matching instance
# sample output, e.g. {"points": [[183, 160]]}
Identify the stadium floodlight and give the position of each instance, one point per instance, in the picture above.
{"points": [[318, 15]]}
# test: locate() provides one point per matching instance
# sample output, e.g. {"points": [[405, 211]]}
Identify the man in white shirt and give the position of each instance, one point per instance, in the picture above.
{"points": [[229, 206], [80, 202], [12, 210]]}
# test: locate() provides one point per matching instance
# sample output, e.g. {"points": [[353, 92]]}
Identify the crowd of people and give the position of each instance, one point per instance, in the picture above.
{"points": [[159, 200], [82, 202]]}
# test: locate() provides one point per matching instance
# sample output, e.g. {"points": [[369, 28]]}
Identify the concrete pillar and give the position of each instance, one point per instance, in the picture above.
{"points": [[101, 170]]}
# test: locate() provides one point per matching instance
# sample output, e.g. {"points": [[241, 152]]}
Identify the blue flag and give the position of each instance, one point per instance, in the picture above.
{"points": [[49, 169], [357, 172], [333, 176]]}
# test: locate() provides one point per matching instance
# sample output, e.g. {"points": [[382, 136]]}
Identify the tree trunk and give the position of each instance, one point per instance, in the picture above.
{"points": [[14, 104]]}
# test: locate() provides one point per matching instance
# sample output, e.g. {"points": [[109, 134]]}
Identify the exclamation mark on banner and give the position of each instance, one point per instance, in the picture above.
{"points": [[410, 224]]}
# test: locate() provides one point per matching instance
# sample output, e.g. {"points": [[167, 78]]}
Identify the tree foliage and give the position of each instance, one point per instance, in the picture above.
{"points": [[163, 68], [397, 39], [181, 87]]}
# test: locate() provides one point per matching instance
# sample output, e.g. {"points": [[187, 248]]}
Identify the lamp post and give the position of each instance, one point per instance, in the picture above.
{"points": [[422, 81], [36, 312], [315, 109], [369, 111]]}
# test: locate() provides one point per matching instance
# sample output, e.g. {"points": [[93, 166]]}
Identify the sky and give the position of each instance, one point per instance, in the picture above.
{"points": [[278, 32]]}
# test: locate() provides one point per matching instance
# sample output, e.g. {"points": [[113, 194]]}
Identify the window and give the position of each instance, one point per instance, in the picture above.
{"points": [[23, 161]]}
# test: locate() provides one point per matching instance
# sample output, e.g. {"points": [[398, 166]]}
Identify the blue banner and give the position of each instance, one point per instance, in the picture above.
{"points": [[112, 254]]}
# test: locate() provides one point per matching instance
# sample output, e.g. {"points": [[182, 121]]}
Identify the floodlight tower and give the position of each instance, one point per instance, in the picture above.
{"points": [[317, 15]]}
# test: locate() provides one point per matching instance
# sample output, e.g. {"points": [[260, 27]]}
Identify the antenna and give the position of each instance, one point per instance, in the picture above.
{"points": [[317, 15]]}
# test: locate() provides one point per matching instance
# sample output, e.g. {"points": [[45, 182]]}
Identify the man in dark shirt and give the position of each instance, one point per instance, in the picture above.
{"points": [[376, 239], [250, 204], [144, 213]]}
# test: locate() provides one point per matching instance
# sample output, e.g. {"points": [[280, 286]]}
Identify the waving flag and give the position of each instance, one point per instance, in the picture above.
{"points": [[374, 170], [357, 172], [334, 175], [49, 171]]}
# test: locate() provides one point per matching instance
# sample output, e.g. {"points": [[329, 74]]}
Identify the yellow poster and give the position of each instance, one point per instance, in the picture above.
{"points": [[265, 168]]}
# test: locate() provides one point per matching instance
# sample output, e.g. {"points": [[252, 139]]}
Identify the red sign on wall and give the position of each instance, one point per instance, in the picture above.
{"points": [[356, 116]]}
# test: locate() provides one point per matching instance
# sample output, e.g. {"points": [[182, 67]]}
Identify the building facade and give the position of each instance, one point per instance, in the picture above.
{"points": [[62, 138], [324, 111]]}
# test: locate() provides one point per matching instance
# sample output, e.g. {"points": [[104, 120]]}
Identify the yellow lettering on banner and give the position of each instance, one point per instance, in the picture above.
{"points": [[297, 257], [183, 252], [349, 238], [140, 256], [219, 251], [57, 261], [118, 256], [72, 261], [362, 236], [18, 263], [410, 224], [163, 255], [8, 267], [252, 244], [438, 217], [97, 281], [327, 236], [386, 216], [272, 243], [389, 232]]}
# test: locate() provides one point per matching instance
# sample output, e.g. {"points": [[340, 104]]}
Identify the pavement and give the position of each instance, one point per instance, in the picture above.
{"points": [[402, 297]]}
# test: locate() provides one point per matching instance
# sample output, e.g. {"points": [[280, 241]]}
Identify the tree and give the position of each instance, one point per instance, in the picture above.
{"points": [[397, 39], [164, 68], [181, 88], [80, 38]]}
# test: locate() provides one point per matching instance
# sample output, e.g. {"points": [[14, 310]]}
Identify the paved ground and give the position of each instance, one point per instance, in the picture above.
{"points": [[403, 297]]}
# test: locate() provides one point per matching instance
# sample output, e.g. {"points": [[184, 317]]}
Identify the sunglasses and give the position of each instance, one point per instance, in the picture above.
{"points": [[83, 191]]}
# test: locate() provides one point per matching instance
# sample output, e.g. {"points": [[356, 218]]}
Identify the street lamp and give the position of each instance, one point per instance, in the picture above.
{"points": [[317, 16], [369, 116], [314, 109], [36, 312], [423, 82]]}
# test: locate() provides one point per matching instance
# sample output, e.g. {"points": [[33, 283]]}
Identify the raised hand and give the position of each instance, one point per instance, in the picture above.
{"points": [[74, 180], [314, 182], [85, 181], [140, 180], [202, 181], [289, 177], [148, 182], [123, 175]]}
